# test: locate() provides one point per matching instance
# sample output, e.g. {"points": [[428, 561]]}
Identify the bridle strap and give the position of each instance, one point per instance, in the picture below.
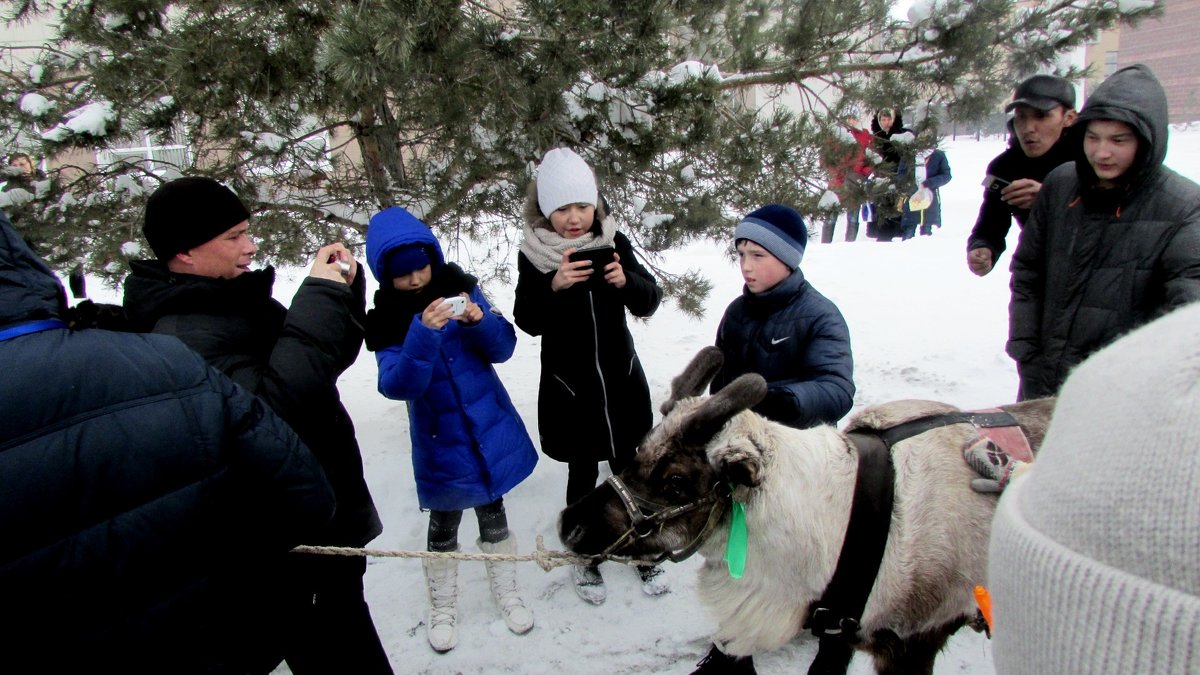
{"points": [[716, 498]]}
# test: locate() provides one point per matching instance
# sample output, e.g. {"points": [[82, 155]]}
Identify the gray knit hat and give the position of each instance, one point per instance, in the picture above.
{"points": [[1095, 552]]}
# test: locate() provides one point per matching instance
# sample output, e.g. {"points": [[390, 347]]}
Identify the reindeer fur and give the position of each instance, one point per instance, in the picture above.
{"points": [[797, 486]]}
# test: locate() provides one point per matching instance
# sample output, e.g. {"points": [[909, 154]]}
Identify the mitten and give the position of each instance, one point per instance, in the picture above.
{"points": [[988, 460]]}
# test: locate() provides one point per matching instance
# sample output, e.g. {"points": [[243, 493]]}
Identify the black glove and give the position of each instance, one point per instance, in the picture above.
{"points": [[778, 406]]}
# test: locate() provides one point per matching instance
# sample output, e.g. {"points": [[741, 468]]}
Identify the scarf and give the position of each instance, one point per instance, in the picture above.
{"points": [[544, 247], [388, 322]]}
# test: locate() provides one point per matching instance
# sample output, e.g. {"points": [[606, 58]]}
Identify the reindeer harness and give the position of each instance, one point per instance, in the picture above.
{"points": [[839, 610]]}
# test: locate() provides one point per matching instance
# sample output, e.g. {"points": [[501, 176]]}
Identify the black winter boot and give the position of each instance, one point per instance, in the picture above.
{"points": [[719, 663]]}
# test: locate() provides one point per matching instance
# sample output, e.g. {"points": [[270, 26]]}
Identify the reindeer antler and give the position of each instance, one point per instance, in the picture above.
{"points": [[695, 377]]}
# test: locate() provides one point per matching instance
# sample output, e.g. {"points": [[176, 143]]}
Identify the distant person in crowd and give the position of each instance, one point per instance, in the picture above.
{"points": [[146, 501], [923, 208], [1112, 242], [1043, 109], [202, 290], [847, 167], [23, 162], [784, 330], [593, 400], [890, 138], [1093, 556], [16, 185], [469, 445]]}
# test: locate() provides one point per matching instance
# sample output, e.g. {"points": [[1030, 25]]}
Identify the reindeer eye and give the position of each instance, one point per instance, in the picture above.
{"points": [[676, 486]]}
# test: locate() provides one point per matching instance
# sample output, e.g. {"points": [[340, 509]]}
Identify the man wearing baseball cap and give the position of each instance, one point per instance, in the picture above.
{"points": [[201, 289], [1043, 107]]}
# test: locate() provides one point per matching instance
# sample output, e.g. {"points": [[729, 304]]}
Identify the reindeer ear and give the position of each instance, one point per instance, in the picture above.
{"points": [[739, 462], [695, 377]]}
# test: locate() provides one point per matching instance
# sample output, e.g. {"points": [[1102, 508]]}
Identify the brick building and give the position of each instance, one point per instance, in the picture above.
{"points": [[1169, 45]]}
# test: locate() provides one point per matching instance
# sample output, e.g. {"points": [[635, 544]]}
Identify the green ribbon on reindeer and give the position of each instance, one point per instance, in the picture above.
{"points": [[735, 547]]}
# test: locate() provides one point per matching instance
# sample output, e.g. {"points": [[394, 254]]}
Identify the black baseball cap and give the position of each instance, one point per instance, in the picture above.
{"points": [[1044, 92]]}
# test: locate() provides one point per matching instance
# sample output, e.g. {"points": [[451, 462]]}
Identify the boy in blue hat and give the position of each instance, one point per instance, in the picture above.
{"points": [[785, 330]]}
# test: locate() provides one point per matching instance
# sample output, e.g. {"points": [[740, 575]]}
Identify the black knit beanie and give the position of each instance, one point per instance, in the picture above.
{"points": [[187, 212]]}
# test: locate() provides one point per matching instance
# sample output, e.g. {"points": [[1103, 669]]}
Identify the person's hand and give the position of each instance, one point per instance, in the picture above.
{"points": [[473, 313], [614, 273], [1021, 193], [980, 260], [996, 467], [331, 262], [570, 273], [438, 314]]}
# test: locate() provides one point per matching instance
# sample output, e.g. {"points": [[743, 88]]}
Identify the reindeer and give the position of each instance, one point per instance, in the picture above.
{"points": [[796, 488]]}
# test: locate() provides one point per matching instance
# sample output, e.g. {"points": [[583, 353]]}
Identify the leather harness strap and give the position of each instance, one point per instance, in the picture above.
{"points": [[909, 429], [839, 610]]}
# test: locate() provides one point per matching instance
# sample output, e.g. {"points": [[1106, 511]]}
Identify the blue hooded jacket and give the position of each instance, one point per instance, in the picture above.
{"points": [[469, 445]]}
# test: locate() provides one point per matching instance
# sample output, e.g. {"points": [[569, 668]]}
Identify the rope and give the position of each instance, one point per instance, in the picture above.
{"points": [[547, 560]]}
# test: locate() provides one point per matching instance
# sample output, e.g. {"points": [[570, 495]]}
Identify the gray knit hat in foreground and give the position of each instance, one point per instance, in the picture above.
{"points": [[1095, 552]]}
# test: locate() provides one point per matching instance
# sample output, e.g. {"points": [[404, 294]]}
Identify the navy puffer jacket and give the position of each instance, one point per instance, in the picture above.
{"points": [[469, 445], [798, 341], [143, 496]]}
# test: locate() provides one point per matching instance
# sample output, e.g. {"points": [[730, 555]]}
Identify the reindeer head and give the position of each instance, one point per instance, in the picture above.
{"points": [[677, 465]]}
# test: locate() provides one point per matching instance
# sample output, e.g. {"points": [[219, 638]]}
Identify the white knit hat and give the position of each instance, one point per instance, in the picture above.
{"points": [[1095, 552], [564, 178]]}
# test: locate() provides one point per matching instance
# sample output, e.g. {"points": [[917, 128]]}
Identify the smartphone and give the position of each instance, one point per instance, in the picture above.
{"points": [[600, 256], [343, 266], [995, 183], [458, 302]]}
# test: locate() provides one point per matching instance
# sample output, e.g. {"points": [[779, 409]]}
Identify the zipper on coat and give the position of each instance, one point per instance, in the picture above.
{"points": [[612, 441]]}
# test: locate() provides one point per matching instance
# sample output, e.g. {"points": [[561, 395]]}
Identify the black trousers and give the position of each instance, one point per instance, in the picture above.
{"points": [[328, 626]]}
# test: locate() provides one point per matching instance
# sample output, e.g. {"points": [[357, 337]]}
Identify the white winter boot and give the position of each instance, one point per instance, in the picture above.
{"points": [[503, 578], [441, 580]]}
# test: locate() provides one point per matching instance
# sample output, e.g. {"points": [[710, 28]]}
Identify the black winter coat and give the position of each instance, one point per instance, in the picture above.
{"points": [[291, 358], [995, 215], [798, 341], [1093, 264], [593, 400], [144, 497]]}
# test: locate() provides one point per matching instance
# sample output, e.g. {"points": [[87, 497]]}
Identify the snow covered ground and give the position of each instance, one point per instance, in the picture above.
{"points": [[922, 326]]}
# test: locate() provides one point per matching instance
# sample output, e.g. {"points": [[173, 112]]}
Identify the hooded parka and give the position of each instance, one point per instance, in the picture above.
{"points": [[469, 445], [593, 399], [1092, 263], [145, 499]]}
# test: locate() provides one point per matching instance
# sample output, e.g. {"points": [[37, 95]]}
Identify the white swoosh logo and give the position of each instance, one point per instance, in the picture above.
{"points": [[776, 341]]}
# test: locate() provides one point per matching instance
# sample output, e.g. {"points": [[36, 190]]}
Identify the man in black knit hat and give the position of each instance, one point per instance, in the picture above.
{"points": [[202, 290]]}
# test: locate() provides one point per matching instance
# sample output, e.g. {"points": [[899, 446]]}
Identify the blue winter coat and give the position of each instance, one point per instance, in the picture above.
{"points": [[145, 499], [937, 174], [469, 445], [798, 341]]}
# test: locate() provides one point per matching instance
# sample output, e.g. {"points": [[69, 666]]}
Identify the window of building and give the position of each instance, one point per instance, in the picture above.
{"points": [[152, 156], [1110, 63]]}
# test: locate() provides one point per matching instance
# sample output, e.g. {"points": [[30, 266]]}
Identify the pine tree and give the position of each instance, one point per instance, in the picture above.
{"points": [[445, 106]]}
